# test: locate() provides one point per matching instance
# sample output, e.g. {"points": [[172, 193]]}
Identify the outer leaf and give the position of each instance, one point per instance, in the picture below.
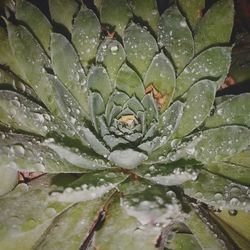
{"points": [[122, 230], [29, 52], [74, 118], [238, 221], [199, 102], [140, 47], [6, 55], [212, 64], [112, 55], [36, 20], [175, 36], [193, 10], [216, 26], [129, 82], [161, 74], [116, 14], [63, 11], [18, 112], [27, 153], [242, 158], [86, 34], [6, 77], [147, 11], [235, 110], [238, 173], [217, 191], [71, 227], [217, 144], [68, 68], [203, 234]]}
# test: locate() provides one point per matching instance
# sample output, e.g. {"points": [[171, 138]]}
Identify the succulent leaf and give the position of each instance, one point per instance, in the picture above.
{"points": [[36, 21], [199, 100], [98, 80], [117, 17], [63, 11], [129, 82], [161, 76], [147, 11], [68, 68], [6, 55], [176, 37], [140, 47], [193, 10], [207, 34], [86, 34], [212, 64], [232, 111], [112, 55]]}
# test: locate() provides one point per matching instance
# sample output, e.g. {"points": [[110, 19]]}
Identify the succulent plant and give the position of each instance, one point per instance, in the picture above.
{"points": [[115, 106]]}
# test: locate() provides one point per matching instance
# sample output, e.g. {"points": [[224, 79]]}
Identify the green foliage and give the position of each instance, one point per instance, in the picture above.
{"points": [[136, 150]]}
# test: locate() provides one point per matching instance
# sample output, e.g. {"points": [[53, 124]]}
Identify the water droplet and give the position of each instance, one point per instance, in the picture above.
{"points": [[232, 212]]}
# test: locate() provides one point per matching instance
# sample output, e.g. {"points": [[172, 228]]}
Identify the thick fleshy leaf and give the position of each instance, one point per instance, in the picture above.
{"points": [[124, 230], [129, 82], [218, 191], [176, 37], [86, 34], [212, 64], [95, 143], [127, 158], [112, 55], [217, 144], [216, 26], [237, 173], [24, 152], [193, 10], [240, 241], [199, 102], [69, 109], [140, 47], [63, 11], [67, 67], [18, 112], [36, 21], [98, 80], [85, 161], [151, 110], [96, 107], [15, 83], [242, 158], [32, 60], [147, 11], [6, 55], [239, 222], [161, 75], [235, 111], [116, 17], [37, 212], [73, 225], [203, 234]]}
